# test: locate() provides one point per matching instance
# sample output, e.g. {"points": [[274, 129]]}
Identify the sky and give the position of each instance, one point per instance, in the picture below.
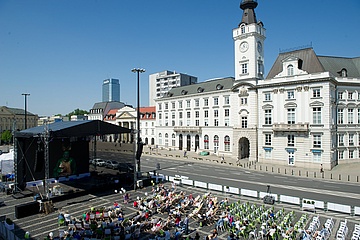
{"points": [[60, 51]]}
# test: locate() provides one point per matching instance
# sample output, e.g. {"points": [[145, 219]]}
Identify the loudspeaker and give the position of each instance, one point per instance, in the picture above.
{"points": [[27, 209], [268, 199]]}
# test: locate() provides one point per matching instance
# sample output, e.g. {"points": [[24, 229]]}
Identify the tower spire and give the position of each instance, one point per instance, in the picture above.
{"points": [[248, 16]]}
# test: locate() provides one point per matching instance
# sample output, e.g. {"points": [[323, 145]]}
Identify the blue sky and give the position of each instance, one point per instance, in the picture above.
{"points": [[60, 51]]}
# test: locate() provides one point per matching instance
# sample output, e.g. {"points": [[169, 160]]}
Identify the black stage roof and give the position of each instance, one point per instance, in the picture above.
{"points": [[73, 129]]}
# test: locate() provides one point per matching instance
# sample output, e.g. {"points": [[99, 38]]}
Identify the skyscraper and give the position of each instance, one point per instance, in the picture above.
{"points": [[111, 90]]}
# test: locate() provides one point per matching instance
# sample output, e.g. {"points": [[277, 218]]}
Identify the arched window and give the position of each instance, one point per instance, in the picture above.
{"points": [[206, 142], [173, 139], [216, 143], [166, 140], [160, 139], [290, 70], [227, 143]]}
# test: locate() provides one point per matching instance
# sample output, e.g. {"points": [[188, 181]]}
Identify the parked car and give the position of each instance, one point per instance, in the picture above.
{"points": [[111, 164], [98, 162], [125, 167]]}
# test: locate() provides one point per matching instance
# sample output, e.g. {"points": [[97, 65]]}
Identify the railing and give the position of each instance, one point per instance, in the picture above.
{"points": [[187, 129], [326, 206], [283, 127]]}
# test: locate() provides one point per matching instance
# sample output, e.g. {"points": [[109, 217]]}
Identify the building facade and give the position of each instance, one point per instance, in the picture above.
{"points": [[160, 83], [111, 90], [306, 112]]}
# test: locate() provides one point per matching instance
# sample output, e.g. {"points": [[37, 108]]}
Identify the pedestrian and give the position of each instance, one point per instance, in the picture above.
{"points": [[184, 153], [197, 236], [321, 168], [222, 159], [186, 222]]}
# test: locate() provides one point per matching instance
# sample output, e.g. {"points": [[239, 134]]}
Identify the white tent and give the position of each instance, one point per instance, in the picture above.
{"points": [[7, 162]]}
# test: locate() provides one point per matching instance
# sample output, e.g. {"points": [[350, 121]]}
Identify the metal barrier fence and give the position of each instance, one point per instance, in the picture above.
{"points": [[308, 204]]}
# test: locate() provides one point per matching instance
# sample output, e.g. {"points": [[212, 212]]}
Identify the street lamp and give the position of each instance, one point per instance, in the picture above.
{"points": [[139, 148], [25, 95]]}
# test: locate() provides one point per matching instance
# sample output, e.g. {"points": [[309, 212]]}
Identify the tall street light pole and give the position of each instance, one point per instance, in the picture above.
{"points": [[138, 71], [25, 95]]}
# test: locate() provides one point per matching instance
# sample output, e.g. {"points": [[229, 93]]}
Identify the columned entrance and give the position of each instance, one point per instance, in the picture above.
{"points": [[188, 142], [180, 142], [197, 144], [244, 148]]}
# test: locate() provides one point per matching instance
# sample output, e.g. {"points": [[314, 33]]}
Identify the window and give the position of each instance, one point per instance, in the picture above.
{"points": [[197, 102], [268, 116], [244, 122], [173, 105], [291, 115], [290, 70], [317, 115], [197, 122], [216, 113], [188, 114], [173, 140], [206, 142], [206, 113], [267, 139], [358, 116], [317, 141], [227, 143], [197, 114], [351, 139], [180, 104], [244, 69], [166, 106], [291, 140], [188, 122], [341, 140], [227, 112], [206, 102], [173, 115], [216, 101], [351, 154], [242, 28], [317, 157], [159, 106], [350, 95], [350, 116], [226, 100], [291, 94], [180, 114], [160, 115], [188, 103], [341, 154], [316, 93], [180, 122], [227, 122], [243, 101], [340, 95], [216, 122], [340, 116], [160, 139], [291, 158], [206, 122], [267, 153], [267, 96]]}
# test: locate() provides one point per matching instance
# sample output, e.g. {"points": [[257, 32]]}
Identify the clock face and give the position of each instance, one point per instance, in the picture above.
{"points": [[259, 47], [244, 46]]}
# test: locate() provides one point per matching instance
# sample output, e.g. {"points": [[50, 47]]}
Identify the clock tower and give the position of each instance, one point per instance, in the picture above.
{"points": [[249, 44]]}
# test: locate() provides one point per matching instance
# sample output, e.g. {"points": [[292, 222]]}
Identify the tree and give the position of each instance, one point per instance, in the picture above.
{"points": [[77, 112], [6, 136]]}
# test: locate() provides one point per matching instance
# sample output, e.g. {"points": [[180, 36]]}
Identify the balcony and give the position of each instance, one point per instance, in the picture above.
{"points": [[283, 127], [187, 129]]}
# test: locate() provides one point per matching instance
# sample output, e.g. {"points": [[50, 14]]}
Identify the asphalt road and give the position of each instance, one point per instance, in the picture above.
{"points": [[316, 189]]}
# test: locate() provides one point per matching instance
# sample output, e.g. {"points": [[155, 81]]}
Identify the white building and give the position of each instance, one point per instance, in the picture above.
{"points": [[306, 112], [160, 83]]}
